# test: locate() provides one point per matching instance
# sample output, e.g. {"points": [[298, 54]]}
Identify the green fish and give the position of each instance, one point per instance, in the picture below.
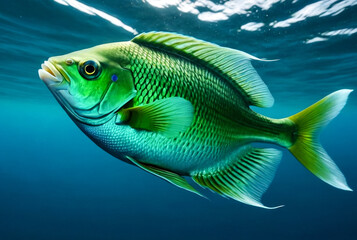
{"points": [[179, 107]]}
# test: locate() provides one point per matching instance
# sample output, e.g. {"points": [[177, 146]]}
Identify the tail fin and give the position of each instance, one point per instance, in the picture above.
{"points": [[307, 148]]}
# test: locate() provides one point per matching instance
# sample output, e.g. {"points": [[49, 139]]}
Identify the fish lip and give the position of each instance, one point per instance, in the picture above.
{"points": [[49, 74]]}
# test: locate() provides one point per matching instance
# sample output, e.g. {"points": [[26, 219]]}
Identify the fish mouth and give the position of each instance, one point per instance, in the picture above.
{"points": [[49, 74]]}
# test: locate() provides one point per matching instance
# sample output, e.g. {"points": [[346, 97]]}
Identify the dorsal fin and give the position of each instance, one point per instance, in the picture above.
{"points": [[230, 64]]}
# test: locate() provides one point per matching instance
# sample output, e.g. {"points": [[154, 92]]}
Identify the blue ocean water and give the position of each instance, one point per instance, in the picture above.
{"points": [[57, 184]]}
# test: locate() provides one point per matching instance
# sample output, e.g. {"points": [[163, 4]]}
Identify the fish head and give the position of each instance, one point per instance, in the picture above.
{"points": [[91, 84]]}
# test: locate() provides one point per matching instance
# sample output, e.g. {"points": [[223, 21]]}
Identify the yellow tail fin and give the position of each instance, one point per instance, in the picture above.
{"points": [[307, 148]]}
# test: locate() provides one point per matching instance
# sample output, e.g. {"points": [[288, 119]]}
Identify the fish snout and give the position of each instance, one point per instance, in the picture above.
{"points": [[49, 73]]}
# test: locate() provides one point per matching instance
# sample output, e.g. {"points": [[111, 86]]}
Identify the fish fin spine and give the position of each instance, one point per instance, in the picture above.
{"points": [[307, 148], [232, 65], [168, 116], [244, 176], [167, 175]]}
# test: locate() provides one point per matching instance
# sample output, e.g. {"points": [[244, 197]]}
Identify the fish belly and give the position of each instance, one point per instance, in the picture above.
{"points": [[182, 154]]}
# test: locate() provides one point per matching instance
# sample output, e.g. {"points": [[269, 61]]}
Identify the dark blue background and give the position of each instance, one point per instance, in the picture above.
{"points": [[56, 184]]}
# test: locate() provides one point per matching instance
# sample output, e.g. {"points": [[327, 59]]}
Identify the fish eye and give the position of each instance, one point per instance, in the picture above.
{"points": [[90, 69]]}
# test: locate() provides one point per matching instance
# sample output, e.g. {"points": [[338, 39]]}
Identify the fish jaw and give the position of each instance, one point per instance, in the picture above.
{"points": [[58, 83], [49, 74]]}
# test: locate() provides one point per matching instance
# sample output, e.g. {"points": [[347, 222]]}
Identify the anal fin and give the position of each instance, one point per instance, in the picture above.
{"points": [[244, 177], [171, 177]]}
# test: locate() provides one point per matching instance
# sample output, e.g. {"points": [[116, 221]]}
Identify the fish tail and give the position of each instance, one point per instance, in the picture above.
{"points": [[307, 148]]}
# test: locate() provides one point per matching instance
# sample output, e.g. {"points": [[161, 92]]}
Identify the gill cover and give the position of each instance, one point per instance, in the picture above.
{"points": [[91, 94], [119, 93]]}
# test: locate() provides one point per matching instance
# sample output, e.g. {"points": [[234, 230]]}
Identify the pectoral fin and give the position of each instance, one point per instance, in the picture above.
{"points": [[171, 177], [167, 116]]}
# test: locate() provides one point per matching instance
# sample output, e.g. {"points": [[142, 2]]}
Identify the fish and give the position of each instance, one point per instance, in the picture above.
{"points": [[180, 108]]}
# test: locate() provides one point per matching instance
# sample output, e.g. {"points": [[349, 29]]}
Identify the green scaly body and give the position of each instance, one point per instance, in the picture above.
{"points": [[176, 106], [222, 119]]}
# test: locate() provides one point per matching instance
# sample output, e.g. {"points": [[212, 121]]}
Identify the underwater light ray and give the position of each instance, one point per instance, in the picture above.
{"points": [[95, 12], [321, 8], [345, 31], [252, 26]]}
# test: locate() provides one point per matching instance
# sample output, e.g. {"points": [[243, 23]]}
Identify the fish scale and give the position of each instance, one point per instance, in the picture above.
{"points": [[207, 127], [176, 106]]}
